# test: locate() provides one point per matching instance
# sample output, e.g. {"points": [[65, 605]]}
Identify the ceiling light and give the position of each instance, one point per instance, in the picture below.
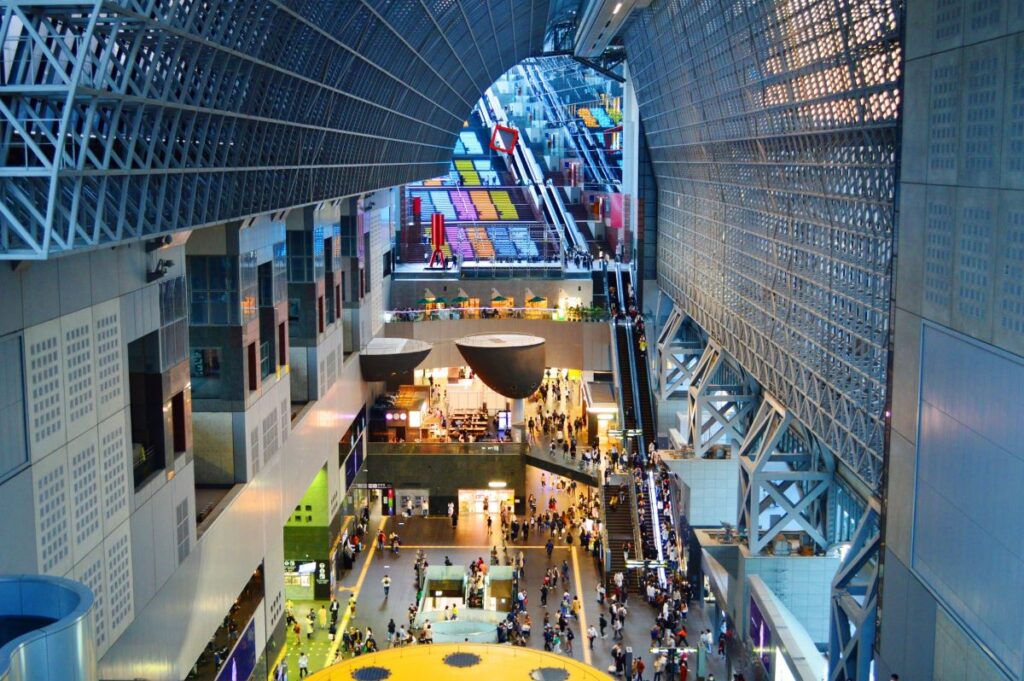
{"points": [[618, 6]]}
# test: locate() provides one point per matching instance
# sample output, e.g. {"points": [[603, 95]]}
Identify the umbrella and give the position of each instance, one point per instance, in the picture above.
{"points": [[537, 299], [460, 299], [422, 301], [442, 300], [499, 299]]}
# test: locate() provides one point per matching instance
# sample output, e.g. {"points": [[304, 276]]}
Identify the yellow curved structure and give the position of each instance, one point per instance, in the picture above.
{"points": [[458, 662]]}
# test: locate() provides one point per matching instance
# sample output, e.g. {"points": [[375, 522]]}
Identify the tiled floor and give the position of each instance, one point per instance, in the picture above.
{"points": [[462, 545]]}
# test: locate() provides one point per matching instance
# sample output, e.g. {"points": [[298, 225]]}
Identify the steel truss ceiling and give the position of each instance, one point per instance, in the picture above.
{"points": [[773, 131], [129, 118]]}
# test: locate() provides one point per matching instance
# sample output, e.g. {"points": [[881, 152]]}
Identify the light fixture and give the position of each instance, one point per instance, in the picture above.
{"points": [[618, 6], [497, 484]]}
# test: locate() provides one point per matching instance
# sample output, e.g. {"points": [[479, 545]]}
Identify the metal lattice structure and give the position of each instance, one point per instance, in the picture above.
{"points": [[855, 604], [773, 131], [676, 356], [722, 397], [785, 474], [130, 118]]}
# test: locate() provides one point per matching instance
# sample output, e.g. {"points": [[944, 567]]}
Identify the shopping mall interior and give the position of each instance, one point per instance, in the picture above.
{"points": [[512, 339]]}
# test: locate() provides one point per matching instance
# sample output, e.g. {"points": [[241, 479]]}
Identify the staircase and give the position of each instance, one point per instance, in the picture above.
{"points": [[619, 526]]}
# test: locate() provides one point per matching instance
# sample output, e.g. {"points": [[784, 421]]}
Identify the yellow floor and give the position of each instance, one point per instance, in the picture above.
{"points": [[459, 661]]}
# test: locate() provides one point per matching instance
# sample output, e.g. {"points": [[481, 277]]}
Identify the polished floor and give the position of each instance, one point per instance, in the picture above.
{"points": [[466, 543]]}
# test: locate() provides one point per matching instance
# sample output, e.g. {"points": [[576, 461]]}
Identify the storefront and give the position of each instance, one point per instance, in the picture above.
{"points": [[307, 580], [484, 500]]}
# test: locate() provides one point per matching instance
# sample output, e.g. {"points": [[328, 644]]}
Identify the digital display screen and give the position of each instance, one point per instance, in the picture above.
{"points": [[242, 660], [761, 636]]}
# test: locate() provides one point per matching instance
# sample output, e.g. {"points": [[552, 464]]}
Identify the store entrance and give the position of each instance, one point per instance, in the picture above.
{"points": [[484, 500]]}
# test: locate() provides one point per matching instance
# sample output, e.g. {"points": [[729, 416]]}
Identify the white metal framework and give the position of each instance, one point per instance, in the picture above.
{"points": [[721, 399], [123, 119], [677, 353], [855, 603], [786, 475]]}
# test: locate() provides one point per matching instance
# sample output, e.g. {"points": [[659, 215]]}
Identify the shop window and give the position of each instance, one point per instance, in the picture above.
{"points": [[320, 313], [266, 360]]}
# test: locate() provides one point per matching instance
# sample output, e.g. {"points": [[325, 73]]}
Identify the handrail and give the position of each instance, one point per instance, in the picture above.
{"points": [[585, 314], [427, 448]]}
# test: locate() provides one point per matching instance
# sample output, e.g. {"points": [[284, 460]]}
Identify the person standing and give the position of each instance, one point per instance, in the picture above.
{"points": [[303, 664], [335, 607], [386, 583], [282, 671], [322, 616]]}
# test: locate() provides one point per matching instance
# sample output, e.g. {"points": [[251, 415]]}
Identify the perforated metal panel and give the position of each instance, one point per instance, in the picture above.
{"points": [[45, 387], [109, 364], [87, 523], [114, 462], [132, 118], [79, 372], [270, 436], [255, 460], [50, 489], [90, 571], [118, 563], [772, 128]]}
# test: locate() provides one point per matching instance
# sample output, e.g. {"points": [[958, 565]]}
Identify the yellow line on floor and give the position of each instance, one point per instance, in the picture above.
{"points": [[583, 608], [355, 592], [486, 546]]}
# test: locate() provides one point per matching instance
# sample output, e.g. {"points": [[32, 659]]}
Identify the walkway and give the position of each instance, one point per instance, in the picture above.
{"points": [[466, 543]]}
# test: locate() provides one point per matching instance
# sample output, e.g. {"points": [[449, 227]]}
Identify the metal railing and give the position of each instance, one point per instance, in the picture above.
{"points": [[500, 448], [575, 314]]}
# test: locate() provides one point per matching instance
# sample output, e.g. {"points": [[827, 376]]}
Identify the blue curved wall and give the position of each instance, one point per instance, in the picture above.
{"points": [[48, 630]]}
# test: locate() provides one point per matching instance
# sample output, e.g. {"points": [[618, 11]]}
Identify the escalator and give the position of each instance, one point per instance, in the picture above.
{"points": [[622, 348], [640, 366]]}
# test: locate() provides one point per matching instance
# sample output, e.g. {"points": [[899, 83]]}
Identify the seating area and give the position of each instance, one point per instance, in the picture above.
{"points": [[596, 117], [503, 204], [467, 171], [484, 208], [468, 144], [481, 242], [464, 208]]}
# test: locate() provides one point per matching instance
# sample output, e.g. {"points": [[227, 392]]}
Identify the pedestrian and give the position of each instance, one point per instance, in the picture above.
{"points": [[386, 583], [549, 547], [282, 671], [659, 666], [309, 633], [591, 635], [297, 629], [303, 664], [322, 616], [603, 623]]}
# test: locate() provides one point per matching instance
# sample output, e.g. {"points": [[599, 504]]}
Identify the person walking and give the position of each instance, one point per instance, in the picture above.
{"points": [[659, 667], [549, 547], [603, 623], [303, 664], [591, 635], [322, 616], [386, 583], [282, 671]]}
